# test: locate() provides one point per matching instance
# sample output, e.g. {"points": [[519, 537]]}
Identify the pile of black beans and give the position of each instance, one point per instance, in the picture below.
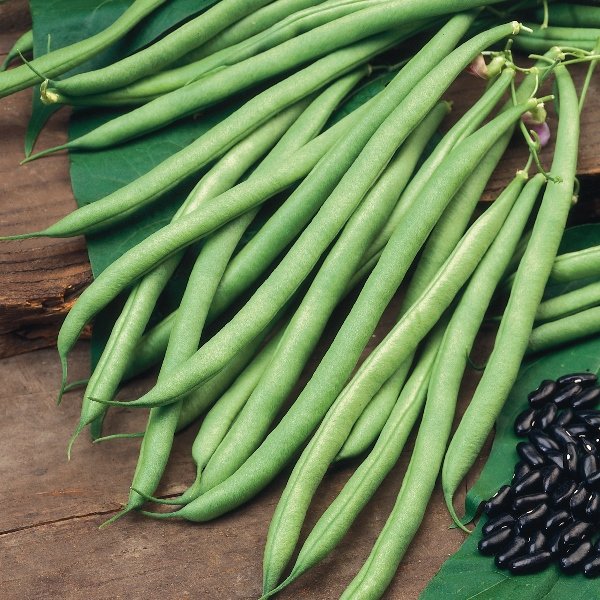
{"points": [[551, 509]]}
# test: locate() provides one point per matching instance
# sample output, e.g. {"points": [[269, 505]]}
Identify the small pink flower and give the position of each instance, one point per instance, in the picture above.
{"points": [[543, 132], [478, 67], [536, 121]]}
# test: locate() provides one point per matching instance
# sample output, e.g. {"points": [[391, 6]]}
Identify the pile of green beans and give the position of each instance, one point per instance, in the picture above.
{"points": [[295, 212]]}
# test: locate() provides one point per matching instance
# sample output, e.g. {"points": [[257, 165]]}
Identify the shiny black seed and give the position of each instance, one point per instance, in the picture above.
{"points": [[545, 416], [587, 445], [597, 546], [553, 544], [570, 459], [529, 453], [584, 378], [542, 394], [575, 532], [497, 522], [592, 567], [586, 399], [561, 496], [515, 547], [588, 465], [593, 481], [525, 422], [532, 482], [556, 458], [542, 442], [590, 417], [533, 519], [532, 563], [576, 558], [592, 510], [561, 435], [564, 418], [551, 476], [500, 502], [521, 469], [563, 397], [577, 429], [557, 520], [495, 541], [579, 501], [527, 502], [537, 541]]}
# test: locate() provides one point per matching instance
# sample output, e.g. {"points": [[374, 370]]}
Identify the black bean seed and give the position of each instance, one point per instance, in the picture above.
{"points": [[525, 422], [529, 453], [563, 397], [570, 459], [551, 476], [495, 541], [587, 445], [557, 520], [561, 435], [593, 481], [592, 567], [527, 502], [564, 418], [561, 496], [516, 546], [553, 544], [586, 399], [532, 563], [575, 532], [532, 482], [556, 458], [584, 378], [533, 519], [588, 465], [576, 558], [497, 522], [542, 441], [597, 546], [592, 510], [500, 502], [577, 429], [542, 394], [537, 541], [579, 501], [521, 469], [590, 417], [545, 416]]}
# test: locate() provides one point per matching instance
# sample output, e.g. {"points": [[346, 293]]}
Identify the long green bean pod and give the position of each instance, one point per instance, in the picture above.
{"points": [[342, 512], [576, 265], [23, 45], [396, 347], [161, 53], [568, 303], [571, 15], [64, 59], [527, 291], [177, 235], [563, 331]]}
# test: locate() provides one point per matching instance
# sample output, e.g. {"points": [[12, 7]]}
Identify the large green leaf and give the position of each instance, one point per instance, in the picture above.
{"points": [[467, 574]]}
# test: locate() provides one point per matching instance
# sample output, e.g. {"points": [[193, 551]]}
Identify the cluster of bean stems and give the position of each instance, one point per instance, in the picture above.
{"points": [[356, 219]]}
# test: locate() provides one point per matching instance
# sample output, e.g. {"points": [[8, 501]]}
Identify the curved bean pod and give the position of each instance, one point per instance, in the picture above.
{"points": [[569, 303], [527, 291], [576, 265], [23, 45]]}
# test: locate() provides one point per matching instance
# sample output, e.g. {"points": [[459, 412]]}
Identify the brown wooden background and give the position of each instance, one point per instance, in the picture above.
{"points": [[50, 546]]}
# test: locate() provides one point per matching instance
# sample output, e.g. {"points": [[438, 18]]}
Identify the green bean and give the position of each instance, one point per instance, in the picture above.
{"points": [[23, 45], [396, 347], [576, 265], [64, 59], [205, 276], [539, 45], [184, 163], [533, 272], [142, 299], [314, 401], [342, 512], [245, 196], [572, 15], [302, 257], [309, 321], [563, 331], [162, 52], [568, 303], [563, 33], [152, 87], [151, 347]]}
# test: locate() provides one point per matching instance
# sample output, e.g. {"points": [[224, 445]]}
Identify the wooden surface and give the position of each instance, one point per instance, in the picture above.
{"points": [[50, 509]]}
